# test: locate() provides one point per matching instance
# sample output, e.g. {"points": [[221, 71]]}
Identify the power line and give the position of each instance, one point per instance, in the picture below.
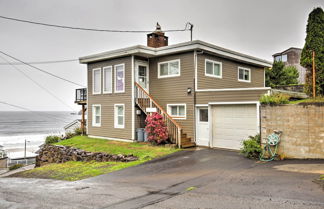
{"points": [[38, 84], [44, 71], [90, 29], [40, 62]]}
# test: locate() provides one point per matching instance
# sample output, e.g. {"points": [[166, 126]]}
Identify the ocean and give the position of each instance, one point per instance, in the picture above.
{"points": [[18, 126]]}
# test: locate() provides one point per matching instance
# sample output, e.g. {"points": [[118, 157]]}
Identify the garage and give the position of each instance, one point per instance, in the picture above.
{"points": [[232, 123]]}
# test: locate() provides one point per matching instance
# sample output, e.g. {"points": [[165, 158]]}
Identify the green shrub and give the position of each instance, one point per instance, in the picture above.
{"points": [[52, 139], [252, 147], [275, 99], [78, 132], [16, 166]]}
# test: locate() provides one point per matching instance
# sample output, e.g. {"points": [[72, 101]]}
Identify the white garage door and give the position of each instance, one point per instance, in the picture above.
{"points": [[232, 124]]}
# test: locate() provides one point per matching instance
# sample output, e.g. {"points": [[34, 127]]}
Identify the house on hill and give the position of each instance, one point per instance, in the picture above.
{"points": [[207, 95]]}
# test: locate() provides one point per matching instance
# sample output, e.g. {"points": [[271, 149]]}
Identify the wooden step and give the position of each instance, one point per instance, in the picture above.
{"points": [[188, 144], [185, 140]]}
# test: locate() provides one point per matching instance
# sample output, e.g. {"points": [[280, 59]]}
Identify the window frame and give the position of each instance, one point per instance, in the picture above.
{"points": [[116, 125], [115, 78], [238, 74], [203, 122], [168, 62], [94, 124], [220, 67], [104, 79], [93, 81], [177, 117]]}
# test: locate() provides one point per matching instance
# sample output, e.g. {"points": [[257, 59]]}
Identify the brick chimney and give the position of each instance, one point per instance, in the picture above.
{"points": [[157, 38]]}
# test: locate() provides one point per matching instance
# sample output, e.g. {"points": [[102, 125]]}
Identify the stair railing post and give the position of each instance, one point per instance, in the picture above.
{"points": [[179, 138]]}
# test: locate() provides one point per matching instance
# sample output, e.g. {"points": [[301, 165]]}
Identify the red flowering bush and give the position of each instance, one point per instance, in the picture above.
{"points": [[156, 129]]}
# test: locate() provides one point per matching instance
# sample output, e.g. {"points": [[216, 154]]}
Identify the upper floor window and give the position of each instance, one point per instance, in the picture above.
{"points": [[96, 115], [119, 116], [177, 111], [244, 74], [169, 69], [119, 78], [213, 69], [107, 79], [284, 58], [96, 81]]}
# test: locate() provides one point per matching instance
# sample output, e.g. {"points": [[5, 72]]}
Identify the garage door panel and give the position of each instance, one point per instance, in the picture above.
{"points": [[232, 124]]}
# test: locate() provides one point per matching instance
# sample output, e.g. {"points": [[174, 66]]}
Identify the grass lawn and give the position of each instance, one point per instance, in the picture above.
{"points": [[309, 100], [72, 171]]}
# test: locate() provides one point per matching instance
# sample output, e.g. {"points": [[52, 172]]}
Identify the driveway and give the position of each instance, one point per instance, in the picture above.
{"points": [[205, 178]]}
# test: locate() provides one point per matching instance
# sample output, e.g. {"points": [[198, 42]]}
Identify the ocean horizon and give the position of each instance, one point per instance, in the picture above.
{"points": [[18, 126]]}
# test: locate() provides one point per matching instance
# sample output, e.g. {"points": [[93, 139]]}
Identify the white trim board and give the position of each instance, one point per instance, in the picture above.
{"points": [[234, 89], [110, 138], [133, 98]]}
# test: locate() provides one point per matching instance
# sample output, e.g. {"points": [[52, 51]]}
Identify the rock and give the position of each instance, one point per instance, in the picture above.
{"points": [[61, 154]]}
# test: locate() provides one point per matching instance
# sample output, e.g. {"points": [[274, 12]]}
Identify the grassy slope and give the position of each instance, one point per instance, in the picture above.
{"points": [[73, 171]]}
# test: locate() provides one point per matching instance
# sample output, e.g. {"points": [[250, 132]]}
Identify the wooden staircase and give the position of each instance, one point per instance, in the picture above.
{"points": [[144, 100]]}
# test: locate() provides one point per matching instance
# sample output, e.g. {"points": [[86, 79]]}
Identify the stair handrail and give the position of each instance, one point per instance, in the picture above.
{"points": [[156, 104], [178, 127]]}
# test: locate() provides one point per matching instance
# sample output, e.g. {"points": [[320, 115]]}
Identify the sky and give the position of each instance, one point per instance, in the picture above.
{"points": [[256, 27]]}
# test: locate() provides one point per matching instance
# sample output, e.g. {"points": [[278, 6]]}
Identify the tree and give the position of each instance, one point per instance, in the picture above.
{"points": [[281, 75], [314, 42]]}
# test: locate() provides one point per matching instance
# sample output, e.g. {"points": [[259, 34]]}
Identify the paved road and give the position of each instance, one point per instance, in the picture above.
{"points": [[218, 179]]}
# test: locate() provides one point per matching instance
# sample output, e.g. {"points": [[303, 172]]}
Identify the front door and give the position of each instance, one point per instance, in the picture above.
{"points": [[202, 126], [142, 75]]}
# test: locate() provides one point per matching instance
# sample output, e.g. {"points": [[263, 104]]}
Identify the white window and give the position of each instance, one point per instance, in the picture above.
{"points": [[278, 58], [284, 58], [119, 116], [213, 68], [96, 115], [177, 111], [107, 80], [244, 74], [169, 69], [119, 78], [96, 81]]}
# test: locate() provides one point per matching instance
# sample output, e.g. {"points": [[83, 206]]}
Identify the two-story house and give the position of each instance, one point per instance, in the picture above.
{"points": [[207, 95], [291, 57]]}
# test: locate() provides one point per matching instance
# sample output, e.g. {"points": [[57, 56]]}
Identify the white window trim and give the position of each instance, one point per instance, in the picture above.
{"points": [[104, 79], [93, 83], [115, 78], [177, 117], [94, 124], [238, 74], [169, 76], [214, 62], [116, 125], [198, 115]]}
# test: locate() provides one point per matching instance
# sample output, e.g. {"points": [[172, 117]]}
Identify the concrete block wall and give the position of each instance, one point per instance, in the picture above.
{"points": [[302, 126]]}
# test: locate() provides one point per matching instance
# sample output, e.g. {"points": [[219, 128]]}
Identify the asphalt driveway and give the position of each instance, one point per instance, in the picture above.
{"points": [[205, 178]]}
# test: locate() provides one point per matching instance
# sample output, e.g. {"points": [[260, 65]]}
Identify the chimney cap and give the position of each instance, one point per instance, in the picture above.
{"points": [[158, 27]]}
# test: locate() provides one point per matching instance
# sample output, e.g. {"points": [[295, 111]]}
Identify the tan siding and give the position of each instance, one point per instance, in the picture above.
{"points": [[228, 96], [229, 74], [107, 102], [174, 89]]}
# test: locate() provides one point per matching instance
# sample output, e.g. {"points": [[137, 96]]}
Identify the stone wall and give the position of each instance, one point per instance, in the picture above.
{"points": [[302, 126], [61, 154]]}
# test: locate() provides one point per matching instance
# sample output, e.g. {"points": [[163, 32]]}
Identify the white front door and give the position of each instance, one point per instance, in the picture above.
{"points": [[142, 75], [202, 126]]}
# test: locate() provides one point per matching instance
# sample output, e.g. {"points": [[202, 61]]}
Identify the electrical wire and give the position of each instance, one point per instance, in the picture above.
{"points": [[90, 29], [44, 71], [40, 62], [38, 84]]}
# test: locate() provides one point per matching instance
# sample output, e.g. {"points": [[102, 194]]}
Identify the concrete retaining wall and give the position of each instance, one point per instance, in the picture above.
{"points": [[302, 126]]}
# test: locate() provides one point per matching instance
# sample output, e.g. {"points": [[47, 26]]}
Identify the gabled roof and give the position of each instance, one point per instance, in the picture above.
{"points": [[149, 52], [287, 50]]}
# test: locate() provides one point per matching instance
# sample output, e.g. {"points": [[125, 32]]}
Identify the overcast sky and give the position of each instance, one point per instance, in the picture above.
{"points": [[255, 27]]}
